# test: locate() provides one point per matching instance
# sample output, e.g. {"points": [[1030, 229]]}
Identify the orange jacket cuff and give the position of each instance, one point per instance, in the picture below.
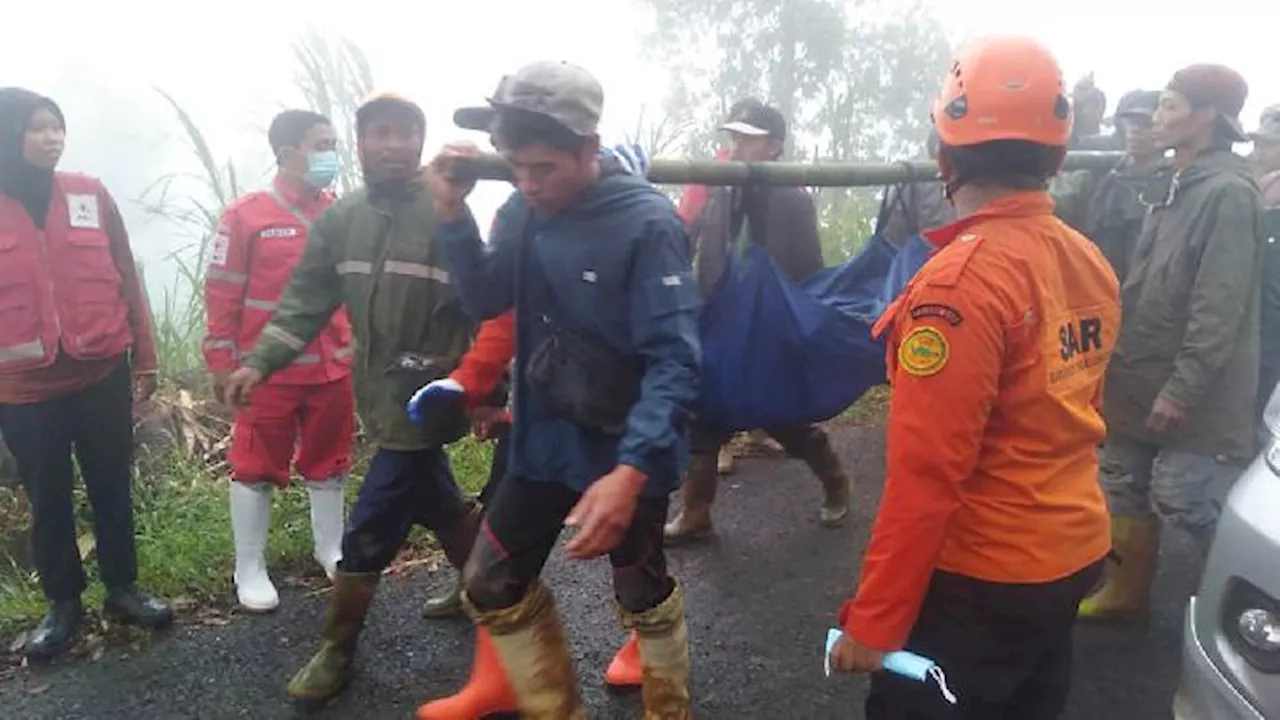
{"points": [[877, 635], [482, 367]]}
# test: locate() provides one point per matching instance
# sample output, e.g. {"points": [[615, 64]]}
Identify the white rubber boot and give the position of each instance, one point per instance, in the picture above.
{"points": [[327, 509], [250, 520]]}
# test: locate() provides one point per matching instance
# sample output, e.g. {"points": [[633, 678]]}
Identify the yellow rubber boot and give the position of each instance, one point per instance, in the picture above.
{"points": [[487, 692], [529, 639], [664, 657], [1127, 589]]}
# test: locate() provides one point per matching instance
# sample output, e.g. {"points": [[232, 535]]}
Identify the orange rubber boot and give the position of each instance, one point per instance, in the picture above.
{"points": [[486, 693], [624, 670]]}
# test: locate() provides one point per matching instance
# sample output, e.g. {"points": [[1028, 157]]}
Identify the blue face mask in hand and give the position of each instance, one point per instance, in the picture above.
{"points": [[322, 168]]}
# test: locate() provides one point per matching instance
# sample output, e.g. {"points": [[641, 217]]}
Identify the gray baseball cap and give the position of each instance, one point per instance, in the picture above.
{"points": [[561, 91], [1269, 126]]}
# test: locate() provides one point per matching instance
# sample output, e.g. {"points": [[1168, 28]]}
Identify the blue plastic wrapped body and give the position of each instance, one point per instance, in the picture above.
{"points": [[777, 354]]}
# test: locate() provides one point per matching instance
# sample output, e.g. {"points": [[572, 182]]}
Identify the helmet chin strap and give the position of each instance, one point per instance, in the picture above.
{"points": [[949, 191], [949, 184]]}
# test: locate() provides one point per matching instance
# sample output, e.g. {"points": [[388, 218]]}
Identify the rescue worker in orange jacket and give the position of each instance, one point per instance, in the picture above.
{"points": [[993, 525], [308, 405], [76, 351]]}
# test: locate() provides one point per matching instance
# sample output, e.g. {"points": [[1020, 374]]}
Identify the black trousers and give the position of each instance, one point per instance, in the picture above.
{"points": [[497, 468], [96, 425], [521, 525], [1005, 649], [401, 489]]}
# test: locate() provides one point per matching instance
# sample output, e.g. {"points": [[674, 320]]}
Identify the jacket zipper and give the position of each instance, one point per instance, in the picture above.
{"points": [[375, 278]]}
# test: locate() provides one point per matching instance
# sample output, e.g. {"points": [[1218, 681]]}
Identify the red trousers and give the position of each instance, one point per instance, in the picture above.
{"points": [[310, 427]]}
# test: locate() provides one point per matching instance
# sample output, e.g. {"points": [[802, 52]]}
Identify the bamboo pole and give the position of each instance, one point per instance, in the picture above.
{"points": [[711, 172]]}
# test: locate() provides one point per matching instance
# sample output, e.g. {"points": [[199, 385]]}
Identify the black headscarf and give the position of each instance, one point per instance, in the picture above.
{"points": [[29, 185]]}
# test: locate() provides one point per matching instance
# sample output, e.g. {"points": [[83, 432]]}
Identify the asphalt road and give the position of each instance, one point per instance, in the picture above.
{"points": [[760, 597]]}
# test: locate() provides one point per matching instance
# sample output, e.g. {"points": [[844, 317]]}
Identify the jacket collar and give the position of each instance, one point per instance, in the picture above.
{"points": [[307, 202], [1032, 203]]}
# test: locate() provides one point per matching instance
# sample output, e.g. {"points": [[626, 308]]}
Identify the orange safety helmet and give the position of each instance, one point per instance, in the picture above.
{"points": [[1003, 88]]}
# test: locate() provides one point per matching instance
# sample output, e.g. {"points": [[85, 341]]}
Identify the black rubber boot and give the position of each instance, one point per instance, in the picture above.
{"points": [[131, 607], [57, 631]]}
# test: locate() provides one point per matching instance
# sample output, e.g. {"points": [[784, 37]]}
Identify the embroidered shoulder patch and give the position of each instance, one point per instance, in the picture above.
{"points": [[924, 352], [938, 310]]}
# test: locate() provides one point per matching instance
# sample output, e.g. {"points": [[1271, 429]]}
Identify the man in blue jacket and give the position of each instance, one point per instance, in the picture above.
{"points": [[595, 262]]}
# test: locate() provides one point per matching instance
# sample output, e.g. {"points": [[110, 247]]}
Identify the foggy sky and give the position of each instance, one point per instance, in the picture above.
{"points": [[232, 68]]}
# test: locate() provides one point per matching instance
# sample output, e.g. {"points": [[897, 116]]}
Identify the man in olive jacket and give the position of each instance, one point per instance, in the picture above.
{"points": [[1180, 388], [375, 252]]}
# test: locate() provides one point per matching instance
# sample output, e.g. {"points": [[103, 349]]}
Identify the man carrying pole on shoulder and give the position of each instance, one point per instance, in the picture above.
{"points": [[595, 264]]}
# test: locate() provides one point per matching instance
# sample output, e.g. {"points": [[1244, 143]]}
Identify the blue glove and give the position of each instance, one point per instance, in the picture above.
{"points": [[436, 396], [631, 158]]}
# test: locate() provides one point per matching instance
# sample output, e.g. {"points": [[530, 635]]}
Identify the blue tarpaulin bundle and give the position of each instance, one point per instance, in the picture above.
{"points": [[776, 353]]}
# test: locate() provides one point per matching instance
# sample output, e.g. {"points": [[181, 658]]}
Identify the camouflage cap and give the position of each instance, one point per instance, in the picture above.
{"points": [[1268, 127], [566, 93]]}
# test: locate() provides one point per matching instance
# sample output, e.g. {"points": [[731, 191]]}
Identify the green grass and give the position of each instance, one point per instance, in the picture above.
{"points": [[184, 538], [871, 409]]}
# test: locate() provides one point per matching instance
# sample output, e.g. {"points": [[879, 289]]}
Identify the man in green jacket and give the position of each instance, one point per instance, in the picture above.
{"points": [[375, 252], [1180, 388]]}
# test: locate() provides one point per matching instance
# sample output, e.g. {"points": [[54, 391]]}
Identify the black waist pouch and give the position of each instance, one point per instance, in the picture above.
{"points": [[574, 374], [582, 380]]}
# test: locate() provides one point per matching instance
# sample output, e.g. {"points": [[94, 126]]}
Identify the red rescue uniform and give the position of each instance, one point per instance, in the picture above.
{"points": [[694, 198], [997, 354], [309, 404], [71, 304]]}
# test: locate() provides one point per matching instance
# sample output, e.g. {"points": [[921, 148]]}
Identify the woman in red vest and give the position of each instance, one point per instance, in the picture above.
{"points": [[75, 349]]}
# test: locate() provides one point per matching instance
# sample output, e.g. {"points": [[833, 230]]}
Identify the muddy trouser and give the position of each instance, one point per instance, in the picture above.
{"points": [[1142, 479], [497, 468], [799, 441], [402, 488], [521, 526], [1005, 648], [96, 424]]}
